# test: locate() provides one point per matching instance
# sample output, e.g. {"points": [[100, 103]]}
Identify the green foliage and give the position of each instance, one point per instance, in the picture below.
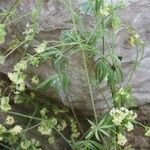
{"points": [[106, 131]]}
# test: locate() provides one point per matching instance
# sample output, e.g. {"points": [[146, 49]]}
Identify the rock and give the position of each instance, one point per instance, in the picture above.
{"points": [[53, 19], [135, 14]]}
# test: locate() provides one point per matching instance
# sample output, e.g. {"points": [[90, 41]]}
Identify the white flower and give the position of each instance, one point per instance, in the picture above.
{"points": [[147, 132], [119, 115], [41, 48], [44, 131], [17, 99], [117, 120], [43, 112], [9, 120], [121, 139], [131, 115], [51, 140], [20, 66], [35, 80], [18, 78], [129, 126], [26, 144], [46, 126], [5, 104], [29, 32], [105, 11], [16, 130], [21, 87]]}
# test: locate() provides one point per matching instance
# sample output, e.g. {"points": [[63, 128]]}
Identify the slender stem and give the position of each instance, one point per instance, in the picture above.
{"points": [[10, 148], [31, 127], [103, 29], [89, 85], [137, 61], [21, 115], [22, 43], [31, 119]]}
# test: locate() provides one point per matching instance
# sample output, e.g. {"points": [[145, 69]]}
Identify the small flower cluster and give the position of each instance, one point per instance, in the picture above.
{"points": [[18, 99], [147, 131], [116, 22], [29, 33], [135, 39], [34, 61], [41, 48], [62, 126], [123, 116], [58, 110], [9, 120], [51, 139], [30, 144], [18, 76], [35, 80], [122, 93], [47, 125], [74, 129], [21, 66], [43, 112], [16, 130], [121, 139], [106, 10], [4, 104]]}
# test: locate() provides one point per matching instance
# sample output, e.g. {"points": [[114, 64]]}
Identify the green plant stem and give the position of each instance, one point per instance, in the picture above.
{"points": [[21, 115], [22, 43], [89, 85], [5, 146], [28, 129], [141, 124], [137, 61], [31, 119], [103, 29]]}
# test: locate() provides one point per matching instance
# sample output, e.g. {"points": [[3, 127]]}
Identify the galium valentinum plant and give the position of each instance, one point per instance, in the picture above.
{"points": [[107, 131]]}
